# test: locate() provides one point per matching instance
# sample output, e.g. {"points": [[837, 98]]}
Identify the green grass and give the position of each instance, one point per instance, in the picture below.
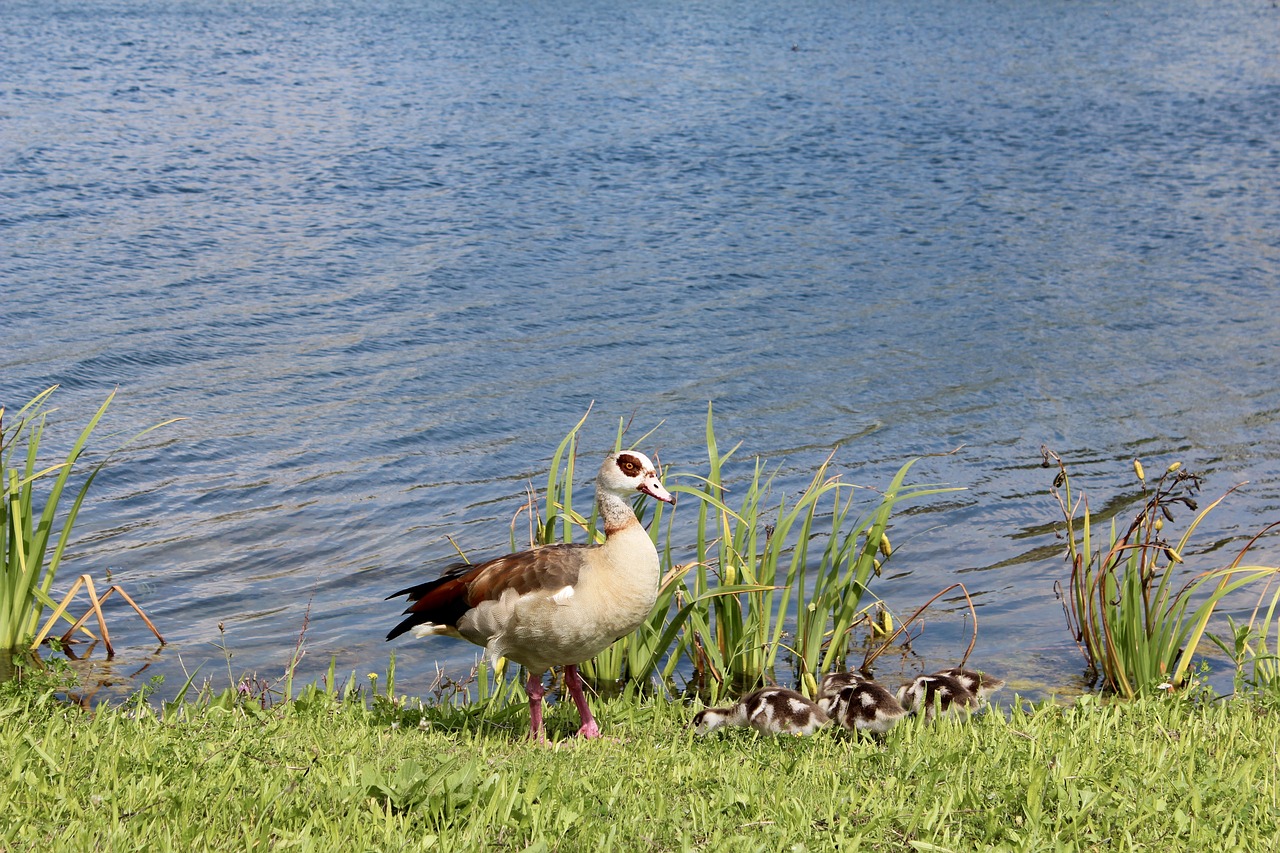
{"points": [[324, 773]]}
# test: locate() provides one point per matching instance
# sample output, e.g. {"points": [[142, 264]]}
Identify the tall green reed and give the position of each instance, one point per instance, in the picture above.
{"points": [[1137, 618], [770, 580], [33, 539], [1254, 644], [28, 531], [796, 572]]}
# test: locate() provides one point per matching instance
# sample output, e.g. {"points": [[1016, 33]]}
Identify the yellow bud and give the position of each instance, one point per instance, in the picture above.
{"points": [[883, 624], [810, 684], [1137, 467], [885, 547], [1174, 467], [1173, 555], [875, 566], [1159, 525]]}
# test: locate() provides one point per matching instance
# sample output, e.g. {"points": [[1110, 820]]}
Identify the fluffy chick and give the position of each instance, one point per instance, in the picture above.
{"points": [[771, 710]]}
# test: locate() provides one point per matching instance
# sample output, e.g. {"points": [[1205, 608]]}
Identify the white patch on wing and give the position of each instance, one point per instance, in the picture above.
{"points": [[563, 596]]}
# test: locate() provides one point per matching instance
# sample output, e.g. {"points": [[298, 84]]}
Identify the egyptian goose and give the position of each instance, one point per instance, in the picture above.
{"points": [[771, 710], [862, 705], [932, 695], [555, 605], [981, 684], [833, 682]]}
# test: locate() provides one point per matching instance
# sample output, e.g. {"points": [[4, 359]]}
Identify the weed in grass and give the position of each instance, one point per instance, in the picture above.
{"points": [[1252, 645]]}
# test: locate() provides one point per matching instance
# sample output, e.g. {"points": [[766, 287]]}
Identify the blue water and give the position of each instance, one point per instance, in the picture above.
{"points": [[383, 255]]}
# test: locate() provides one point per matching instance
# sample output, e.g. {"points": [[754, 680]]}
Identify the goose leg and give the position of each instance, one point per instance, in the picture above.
{"points": [[574, 682], [536, 691]]}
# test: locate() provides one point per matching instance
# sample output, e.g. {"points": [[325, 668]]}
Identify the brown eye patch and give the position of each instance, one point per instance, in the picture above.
{"points": [[629, 465]]}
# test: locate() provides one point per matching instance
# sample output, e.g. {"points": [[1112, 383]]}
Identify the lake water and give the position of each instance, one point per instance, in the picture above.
{"points": [[383, 255]]}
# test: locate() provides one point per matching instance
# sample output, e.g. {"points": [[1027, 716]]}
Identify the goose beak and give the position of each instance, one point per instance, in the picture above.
{"points": [[655, 490]]}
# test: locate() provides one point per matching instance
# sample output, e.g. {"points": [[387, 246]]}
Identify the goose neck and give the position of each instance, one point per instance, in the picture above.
{"points": [[615, 512]]}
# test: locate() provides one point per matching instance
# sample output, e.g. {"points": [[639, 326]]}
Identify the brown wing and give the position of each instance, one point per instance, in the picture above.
{"points": [[462, 586]]}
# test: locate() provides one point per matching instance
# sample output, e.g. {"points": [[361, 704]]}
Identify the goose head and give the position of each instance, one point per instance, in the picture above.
{"points": [[932, 695], [709, 719], [630, 471], [834, 682], [981, 684]]}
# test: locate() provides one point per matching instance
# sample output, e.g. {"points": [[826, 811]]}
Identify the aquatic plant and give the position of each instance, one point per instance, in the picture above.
{"points": [[787, 596], [1137, 618], [1254, 644], [33, 539], [757, 589], [27, 530]]}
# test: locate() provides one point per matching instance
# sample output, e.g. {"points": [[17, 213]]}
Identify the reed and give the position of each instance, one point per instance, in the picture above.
{"points": [[777, 578], [1136, 616], [31, 543], [33, 537], [1255, 644], [771, 580]]}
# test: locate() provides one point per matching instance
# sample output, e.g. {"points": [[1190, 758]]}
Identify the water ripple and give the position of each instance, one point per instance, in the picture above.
{"points": [[383, 256]]}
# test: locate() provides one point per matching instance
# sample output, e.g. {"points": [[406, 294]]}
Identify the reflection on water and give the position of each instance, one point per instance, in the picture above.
{"points": [[382, 256]]}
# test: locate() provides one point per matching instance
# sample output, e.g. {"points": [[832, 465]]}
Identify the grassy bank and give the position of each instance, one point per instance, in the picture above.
{"points": [[324, 774], [773, 574]]}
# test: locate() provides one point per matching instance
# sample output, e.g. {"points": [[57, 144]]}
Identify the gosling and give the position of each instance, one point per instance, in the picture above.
{"points": [[863, 705], [833, 682], [934, 695], [771, 711], [981, 684]]}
